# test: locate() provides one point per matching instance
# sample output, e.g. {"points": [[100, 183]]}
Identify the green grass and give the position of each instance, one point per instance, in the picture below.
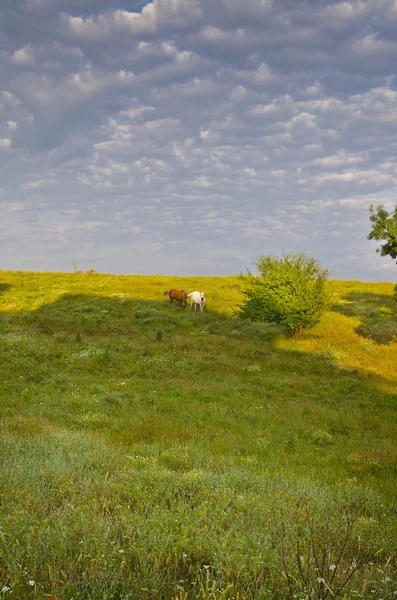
{"points": [[151, 452]]}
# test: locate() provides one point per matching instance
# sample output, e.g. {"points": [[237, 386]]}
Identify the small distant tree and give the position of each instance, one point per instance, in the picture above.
{"points": [[289, 290], [384, 229]]}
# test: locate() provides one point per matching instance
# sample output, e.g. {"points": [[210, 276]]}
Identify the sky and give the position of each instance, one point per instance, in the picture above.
{"points": [[189, 137]]}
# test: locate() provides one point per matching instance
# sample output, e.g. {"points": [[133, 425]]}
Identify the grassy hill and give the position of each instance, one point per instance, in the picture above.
{"points": [[151, 452]]}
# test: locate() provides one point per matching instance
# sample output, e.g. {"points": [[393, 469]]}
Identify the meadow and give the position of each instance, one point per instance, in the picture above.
{"points": [[152, 452]]}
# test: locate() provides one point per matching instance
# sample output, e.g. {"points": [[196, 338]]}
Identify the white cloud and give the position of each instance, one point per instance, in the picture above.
{"points": [[238, 93], [356, 176], [202, 182], [261, 75], [347, 11], [23, 56], [220, 37], [250, 171], [153, 17], [38, 183], [133, 113], [302, 121], [314, 89], [15, 206], [337, 160], [372, 45], [208, 136], [265, 109]]}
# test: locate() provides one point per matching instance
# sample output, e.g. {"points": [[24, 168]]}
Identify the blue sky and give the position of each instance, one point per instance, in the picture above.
{"points": [[191, 136]]}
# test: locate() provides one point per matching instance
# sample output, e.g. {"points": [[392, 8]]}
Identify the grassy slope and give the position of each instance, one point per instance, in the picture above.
{"points": [[157, 452]]}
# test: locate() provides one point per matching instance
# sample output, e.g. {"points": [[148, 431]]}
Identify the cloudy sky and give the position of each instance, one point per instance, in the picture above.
{"points": [[190, 136]]}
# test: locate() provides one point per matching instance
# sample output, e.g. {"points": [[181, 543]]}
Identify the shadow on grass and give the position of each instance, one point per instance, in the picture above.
{"points": [[103, 318], [377, 312], [92, 316], [4, 287]]}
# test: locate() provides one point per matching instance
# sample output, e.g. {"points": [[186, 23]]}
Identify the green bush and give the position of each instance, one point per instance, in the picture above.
{"points": [[321, 437], [288, 290]]}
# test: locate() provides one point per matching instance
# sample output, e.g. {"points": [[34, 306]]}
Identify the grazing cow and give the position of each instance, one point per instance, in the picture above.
{"points": [[198, 299], [178, 295]]}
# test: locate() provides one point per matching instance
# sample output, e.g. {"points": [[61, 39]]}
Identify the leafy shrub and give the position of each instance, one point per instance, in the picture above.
{"points": [[288, 290], [321, 437]]}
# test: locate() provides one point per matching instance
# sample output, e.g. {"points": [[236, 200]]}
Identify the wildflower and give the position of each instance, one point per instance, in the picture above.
{"points": [[57, 581], [51, 598], [332, 567], [121, 551], [5, 588], [320, 580], [31, 582]]}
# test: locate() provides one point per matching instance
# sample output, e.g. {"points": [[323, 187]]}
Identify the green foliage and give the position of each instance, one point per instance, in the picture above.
{"points": [[321, 437], [289, 291], [384, 228]]}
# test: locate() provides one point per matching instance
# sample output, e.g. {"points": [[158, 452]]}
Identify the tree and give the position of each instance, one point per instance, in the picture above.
{"points": [[384, 228], [289, 290]]}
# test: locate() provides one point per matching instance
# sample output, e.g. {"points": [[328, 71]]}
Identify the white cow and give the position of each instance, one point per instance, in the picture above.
{"points": [[197, 298]]}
